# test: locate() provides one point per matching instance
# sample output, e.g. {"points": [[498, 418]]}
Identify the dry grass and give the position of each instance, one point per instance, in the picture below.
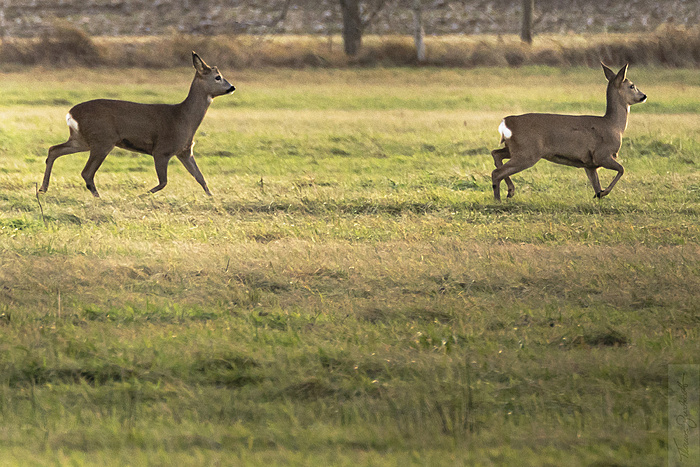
{"points": [[669, 46]]}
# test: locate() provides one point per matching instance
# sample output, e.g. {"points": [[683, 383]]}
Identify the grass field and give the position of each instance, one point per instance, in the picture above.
{"points": [[351, 295]]}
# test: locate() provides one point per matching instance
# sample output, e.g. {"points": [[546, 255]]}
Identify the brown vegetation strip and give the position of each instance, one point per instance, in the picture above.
{"points": [[66, 46]]}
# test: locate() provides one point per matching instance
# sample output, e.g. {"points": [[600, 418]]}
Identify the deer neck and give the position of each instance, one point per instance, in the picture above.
{"points": [[195, 106], [617, 111]]}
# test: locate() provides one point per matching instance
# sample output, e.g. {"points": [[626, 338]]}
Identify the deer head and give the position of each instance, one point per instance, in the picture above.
{"points": [[625, 89], [210, 79]]}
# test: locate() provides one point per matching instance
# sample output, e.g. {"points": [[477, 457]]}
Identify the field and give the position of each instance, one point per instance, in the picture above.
{"points": [[351, 295]]}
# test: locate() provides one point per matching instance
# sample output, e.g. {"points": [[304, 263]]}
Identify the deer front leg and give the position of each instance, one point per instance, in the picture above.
{"points": [[187, 159], [593, 177], [611, 164]]}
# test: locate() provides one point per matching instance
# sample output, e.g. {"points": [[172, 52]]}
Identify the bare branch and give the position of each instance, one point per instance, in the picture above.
{"points": [[373, 14], [282, 15]]}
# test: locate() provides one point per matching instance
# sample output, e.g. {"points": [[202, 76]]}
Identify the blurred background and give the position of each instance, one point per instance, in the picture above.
{"points": [[301, 33]]}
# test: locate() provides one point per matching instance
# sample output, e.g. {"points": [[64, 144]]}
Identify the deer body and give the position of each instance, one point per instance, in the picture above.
{"points": [[161, 130], [589, 142]]}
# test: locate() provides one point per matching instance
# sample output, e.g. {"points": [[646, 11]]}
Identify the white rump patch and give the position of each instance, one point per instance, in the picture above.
{"points": [[72, 123], [504, 130]]}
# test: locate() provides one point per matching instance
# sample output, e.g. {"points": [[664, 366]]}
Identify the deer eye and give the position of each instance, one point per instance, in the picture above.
{"points": [[218, 78], [632, 86]]}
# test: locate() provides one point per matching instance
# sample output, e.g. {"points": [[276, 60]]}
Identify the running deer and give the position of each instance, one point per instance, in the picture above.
{"points": [[161, 130], [583, 141]]}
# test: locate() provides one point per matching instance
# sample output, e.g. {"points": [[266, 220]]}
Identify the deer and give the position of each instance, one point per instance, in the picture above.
{"points": [[159, 130], [585, 141]]}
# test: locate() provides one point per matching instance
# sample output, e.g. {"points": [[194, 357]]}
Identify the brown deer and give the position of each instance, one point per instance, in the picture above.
{"points": [[161, 130], [584, 141]]}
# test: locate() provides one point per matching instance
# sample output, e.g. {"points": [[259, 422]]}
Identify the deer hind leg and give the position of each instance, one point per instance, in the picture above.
{"points": [[69, 147], [161, 160], [187, 159], [611, 164], [98, 153], [516, 164], [498, 156]]}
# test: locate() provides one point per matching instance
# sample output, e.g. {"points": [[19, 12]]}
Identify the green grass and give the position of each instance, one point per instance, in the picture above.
{"points": [[351, 294]]}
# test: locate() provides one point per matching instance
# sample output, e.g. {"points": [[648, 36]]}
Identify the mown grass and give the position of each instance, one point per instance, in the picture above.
{"points": [[350, 294]]}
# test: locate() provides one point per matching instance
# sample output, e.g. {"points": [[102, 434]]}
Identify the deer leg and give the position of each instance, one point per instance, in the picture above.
{"points": [[498, 156], [513, 166], [188, 161], [97, 156], [593, 177], [161, 170], [69, 147], [611, 164]]}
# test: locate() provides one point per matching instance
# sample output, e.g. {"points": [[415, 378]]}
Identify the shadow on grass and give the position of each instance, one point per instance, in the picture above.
{"points": [[398, 207]]}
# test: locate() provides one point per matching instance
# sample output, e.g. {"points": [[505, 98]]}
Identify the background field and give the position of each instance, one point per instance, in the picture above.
{"points": [[350, 294]]}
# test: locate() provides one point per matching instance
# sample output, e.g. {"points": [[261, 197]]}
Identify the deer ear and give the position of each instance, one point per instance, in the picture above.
{"points": [[199, 64], [609, 74], [621, 75]]}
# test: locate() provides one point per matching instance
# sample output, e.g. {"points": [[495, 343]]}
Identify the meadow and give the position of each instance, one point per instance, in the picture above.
{"points": [[350, 295]]}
